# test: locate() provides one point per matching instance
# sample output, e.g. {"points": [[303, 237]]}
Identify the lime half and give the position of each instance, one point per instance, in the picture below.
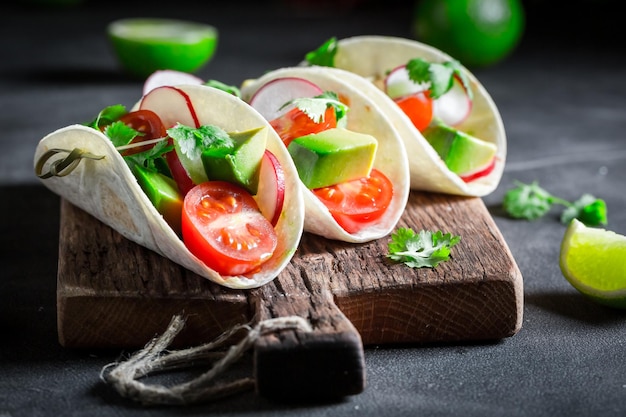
{"points": [[593, 260], [145, 45], [478, 33]]}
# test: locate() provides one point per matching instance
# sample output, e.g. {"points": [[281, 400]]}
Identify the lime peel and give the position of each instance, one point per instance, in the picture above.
{"points": [[593, 260], [145, 45]]}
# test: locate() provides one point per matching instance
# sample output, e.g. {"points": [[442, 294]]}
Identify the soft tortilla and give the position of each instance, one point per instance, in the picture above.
{"points": [[371, 57], [364, 116], [107, 189]]}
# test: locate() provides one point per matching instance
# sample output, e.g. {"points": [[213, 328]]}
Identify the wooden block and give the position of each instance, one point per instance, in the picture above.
{"points": [[113, 293]]}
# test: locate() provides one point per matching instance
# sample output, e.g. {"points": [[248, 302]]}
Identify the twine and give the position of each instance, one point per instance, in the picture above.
{"points": [[124, 376]]}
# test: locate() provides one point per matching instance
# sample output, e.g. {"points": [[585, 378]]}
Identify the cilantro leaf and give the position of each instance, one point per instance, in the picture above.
{"points": [[192, 141], [527, 201], [315, 107], [530, 202], [324, 55], [107, 116], [589, 210], [438, 77], [153, 158], [120, 133], [230, 89], [421, 250]]}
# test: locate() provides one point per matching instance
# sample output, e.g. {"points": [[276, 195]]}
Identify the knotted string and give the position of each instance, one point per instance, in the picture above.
{"points": [[124, 376]]}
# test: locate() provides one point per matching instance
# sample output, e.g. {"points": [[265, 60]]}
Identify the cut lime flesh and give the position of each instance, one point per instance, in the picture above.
{"points": [[594, 262], [144, 46]]}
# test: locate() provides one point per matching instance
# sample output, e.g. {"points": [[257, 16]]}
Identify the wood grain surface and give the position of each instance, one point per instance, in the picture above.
{"points": [[112, 293]]}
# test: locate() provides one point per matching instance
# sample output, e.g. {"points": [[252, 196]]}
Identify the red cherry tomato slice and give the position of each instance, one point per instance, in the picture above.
{"points": [[222, 225], [150, 124], [356, 204], [296, 123], [418, 107], [146, 122]]}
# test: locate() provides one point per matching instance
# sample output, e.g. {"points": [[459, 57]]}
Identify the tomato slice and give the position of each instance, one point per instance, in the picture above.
{"points": [[222, 225], [296, 123], [149, 123], [418, 107], [358, 203], [146, 122]]}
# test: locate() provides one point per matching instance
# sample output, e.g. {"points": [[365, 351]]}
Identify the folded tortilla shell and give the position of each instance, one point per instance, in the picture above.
{"points": [[363, 116], [107, 189], [371, 57]]}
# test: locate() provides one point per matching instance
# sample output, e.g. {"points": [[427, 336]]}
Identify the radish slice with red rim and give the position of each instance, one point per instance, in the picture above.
{"points": [[162, 78], [398, 84], [454, 106], [271, 97], [270, 196]]}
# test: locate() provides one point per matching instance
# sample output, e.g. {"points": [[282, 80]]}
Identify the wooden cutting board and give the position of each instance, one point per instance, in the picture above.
{"points": [[113, 293]]}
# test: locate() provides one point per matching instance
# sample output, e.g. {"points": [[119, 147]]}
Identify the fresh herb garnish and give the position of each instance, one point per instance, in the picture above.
{"points": [[423, 249], [107, 116], [230, 89], [438, 77], [192, 141], [588, 209], [324, 55], [315, 107], [120, 133], [530, 202], [152, 159]]}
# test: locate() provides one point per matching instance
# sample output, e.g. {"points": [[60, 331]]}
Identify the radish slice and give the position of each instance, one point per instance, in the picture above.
{"points": [[269, 99], [398, 84], [271, 193], [171, 105], [480, 172], [169, 77], [454, 106], [174, 106]]}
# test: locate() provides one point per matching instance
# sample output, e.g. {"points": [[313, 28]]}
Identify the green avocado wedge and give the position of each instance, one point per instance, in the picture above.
{"points": [[333, 156], [239, 165], [163, 193], [461, 152]]}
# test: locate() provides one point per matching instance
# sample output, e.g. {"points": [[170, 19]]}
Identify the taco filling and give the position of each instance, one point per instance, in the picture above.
{"points": [[335, 163], [202, 181], [450, 126]]}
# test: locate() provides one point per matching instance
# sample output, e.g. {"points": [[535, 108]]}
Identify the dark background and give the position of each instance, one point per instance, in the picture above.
{"points": [[562, 97]]}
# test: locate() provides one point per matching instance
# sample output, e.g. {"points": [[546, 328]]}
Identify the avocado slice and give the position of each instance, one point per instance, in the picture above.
{"points": [[163, 193], [240, 164], [461, 152], [333, 156]]}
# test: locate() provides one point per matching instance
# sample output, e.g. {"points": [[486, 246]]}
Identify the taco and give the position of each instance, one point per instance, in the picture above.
{"points": [[460, 147], [350, 158], [81, 163]]}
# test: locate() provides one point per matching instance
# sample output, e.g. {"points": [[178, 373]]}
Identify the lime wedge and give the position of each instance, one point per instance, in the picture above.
{"points": [[145, 45], [593, 260]]}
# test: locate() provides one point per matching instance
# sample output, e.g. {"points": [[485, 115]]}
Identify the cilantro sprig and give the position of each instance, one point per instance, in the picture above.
{"points": [[438, 76], [531, 201], [192, 141], [107, 116], [324, 55], [230, 89], [121, 136], [423, 249], [315, 107]]}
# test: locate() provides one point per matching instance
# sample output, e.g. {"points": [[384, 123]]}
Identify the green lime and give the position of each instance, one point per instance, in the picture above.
{"points": [[146, 45], [478, 33], [593, 260]]}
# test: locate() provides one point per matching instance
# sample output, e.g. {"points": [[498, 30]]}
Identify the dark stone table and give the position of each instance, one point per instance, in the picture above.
{"points": [[562, 95]]}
